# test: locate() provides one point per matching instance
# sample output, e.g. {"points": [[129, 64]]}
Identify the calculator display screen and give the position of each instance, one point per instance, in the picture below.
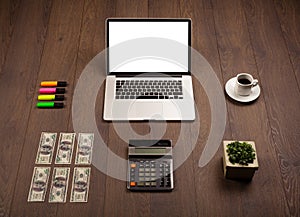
{"points": [[150, 150]]}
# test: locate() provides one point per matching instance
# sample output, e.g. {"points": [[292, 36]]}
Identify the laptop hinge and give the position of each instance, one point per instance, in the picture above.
{"points": [[120, 75]]}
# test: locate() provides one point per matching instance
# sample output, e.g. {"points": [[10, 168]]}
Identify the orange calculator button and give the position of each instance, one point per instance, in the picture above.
{"points": [[133, 165], [132, 183]]}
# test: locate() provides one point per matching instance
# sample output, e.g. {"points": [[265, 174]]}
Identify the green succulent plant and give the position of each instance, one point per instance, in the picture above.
{"points": [[240, 152]]}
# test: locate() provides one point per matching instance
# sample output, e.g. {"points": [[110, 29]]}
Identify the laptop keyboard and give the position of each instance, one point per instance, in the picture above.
{"points": [[149, 89]]}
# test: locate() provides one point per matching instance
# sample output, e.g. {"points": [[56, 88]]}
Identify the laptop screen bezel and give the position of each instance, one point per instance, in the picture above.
{"points": [[108, 20]]}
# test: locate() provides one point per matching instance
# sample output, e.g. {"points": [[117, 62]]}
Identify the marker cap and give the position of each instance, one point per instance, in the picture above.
{"points": [[60, 90], [61, 83], [59, 97]]}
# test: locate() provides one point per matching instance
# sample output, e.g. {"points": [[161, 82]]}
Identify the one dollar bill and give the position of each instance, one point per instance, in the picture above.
{"points": [[80, 184], [84, 148], [46, 148], [59, 185], [39, 182], [65, 148]]}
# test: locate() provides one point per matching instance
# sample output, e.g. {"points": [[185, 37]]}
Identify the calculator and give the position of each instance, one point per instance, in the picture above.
{"points": [[150, 165]]}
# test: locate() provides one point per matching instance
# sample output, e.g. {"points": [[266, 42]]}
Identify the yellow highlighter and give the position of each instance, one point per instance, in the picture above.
{"points": [[51, 97]]}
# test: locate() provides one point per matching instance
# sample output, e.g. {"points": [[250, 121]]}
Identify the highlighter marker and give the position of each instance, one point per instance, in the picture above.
{"points": [[51, 97], [50, 105], [53, 83], [52, 90]]}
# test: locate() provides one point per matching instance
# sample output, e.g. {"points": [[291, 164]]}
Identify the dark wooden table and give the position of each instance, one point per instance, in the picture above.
{"points": [[42, 40]]}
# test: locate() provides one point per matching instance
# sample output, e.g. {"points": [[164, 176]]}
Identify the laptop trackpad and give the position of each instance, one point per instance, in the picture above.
{"points": [[147, 110]]}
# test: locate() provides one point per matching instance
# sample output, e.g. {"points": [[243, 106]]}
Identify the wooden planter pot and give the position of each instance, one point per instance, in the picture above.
{"points": [[238, 171]]}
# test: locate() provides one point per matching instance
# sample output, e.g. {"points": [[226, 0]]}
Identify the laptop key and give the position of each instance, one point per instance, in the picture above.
{"points": [[147, 97], [177, 93]]}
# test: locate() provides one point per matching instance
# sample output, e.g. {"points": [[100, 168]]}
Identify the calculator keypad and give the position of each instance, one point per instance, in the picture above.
{"points": [[150, 174]]}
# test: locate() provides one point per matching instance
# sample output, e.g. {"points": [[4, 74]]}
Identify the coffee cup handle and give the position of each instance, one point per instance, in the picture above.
{"points": [[254, 82]]}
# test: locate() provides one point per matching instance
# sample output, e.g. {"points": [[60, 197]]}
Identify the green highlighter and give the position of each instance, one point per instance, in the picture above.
{"points": [[50, 105]]}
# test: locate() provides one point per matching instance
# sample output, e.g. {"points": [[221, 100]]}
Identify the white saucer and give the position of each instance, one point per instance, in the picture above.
{"points": [[229, 88]]}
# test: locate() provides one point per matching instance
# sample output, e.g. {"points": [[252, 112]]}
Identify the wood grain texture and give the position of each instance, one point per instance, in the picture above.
{"points": [[163, 204], [9, 11], [44, 40], [127, 202], [92, 42], [236, 55], [131, 8], [209, 183], [19, 70], [58, 63], [281, 93], [288, 12]]}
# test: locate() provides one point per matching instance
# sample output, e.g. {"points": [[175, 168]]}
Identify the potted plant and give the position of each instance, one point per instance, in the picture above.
{"points": [[239, 160]]}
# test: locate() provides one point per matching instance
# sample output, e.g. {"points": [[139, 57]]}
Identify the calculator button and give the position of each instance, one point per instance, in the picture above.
{"points": [[150, 174], [140, 183], [153, 183], [152, 178]]}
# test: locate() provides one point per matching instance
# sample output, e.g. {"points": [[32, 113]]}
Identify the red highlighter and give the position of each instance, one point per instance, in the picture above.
{"points": [[52, 90]]}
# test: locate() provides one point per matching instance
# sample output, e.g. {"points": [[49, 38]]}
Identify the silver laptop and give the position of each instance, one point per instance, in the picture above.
{"points": [[148, 70]]}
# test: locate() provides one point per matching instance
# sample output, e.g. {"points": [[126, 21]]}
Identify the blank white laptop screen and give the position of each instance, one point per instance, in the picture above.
{"points": [[146, 46]]}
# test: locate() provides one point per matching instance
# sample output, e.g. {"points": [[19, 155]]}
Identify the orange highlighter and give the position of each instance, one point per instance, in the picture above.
{"points": [[53, 83]]}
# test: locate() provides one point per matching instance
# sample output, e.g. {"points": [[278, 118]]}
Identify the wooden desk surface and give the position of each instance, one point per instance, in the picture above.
{"points": [[43, 40]]}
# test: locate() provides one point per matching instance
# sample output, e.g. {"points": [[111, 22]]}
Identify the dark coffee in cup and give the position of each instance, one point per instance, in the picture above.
{"points": [[244, 84], [244, 81]]}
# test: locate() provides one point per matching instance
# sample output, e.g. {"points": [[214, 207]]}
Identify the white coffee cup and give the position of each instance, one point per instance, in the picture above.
{"points": [[244, 83]]}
